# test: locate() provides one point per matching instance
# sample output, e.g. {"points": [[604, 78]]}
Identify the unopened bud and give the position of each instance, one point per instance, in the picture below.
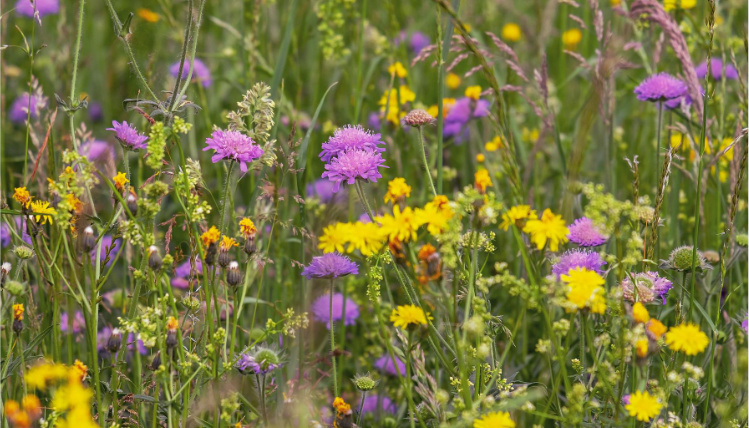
{"points": [[132, 203], [249, 245], [154, 258], [115, 341], [89, 239], [417, 118], [233, 275], [224, 258], [210, 254]]}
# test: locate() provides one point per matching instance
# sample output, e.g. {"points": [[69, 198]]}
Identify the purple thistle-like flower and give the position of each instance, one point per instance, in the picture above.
{"points": [[378, 402], [185, 268], [128, 136], [201, 72], [19, 109], [416, 41], [354, 165], [385, 365], [330, 265], [585, 234], [578, 258], [717, 70], [79, 322], [44, 7], [233, 145], [660, 87], [321, 310], [649, 286], [350, 138]]}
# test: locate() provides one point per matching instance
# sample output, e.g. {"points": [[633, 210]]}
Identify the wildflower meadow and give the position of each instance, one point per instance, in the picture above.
{"points": [[340, 213]]}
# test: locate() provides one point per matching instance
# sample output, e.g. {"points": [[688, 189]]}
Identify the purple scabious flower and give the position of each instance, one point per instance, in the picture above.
{"points": [[201, 73], [330, 265], [649, 286], [128, 136], [108, 245], [745, 324], [96, 150], [321, 310], [660, 87], [464, 109], [350, 138], [262, 362], [44, 7], [585, 234], [246, 364], [578, 258], [373, 120], [717, 69], [378, 402], [385, 365], [416, 41], [78, 322], [20, 108], [95, 111], [5, 238], [233, 145], [323, 190], [185, 268], [354, 165]]}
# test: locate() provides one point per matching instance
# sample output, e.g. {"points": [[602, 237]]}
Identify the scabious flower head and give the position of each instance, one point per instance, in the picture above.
{"points": [[350, 137], [482, 180], [44, 7], [660, 87], [233, 145], [643, 406], [460, 113], [211, 236], [687, 338], [402, 225], [354, 165], [330, 265], [128, 136], [549, 228], [19, 110], [680, 259], [585, 234], [397, 190], [44, 210], [578, 258], [511, 32], [201, 73], [517, 216], [406, 315], [585, 290], [79, 323], [22, 196], [717, 69], [418, 117], [385, 364], [321, 310], [494, 420], [119, 181], [649, 286]]}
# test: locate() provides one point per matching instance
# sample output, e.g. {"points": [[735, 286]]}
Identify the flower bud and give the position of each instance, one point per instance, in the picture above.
{"points": [[4, 273], [115, 341], [249, 245], [132, 202], [15, 288], [89, 239], [418, 118], [233, 275], [210, 254], [224, 258], [154, 258], [156, 362], [365, 382], [23, 252]]}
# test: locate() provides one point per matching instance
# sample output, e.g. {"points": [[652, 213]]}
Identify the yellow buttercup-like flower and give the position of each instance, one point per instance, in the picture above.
{"points": [[585, 290], [643, 406], [42, 207], [406, 315], [493, 145], [473, 92], [334, 238], [482, 180], [571, 38], [452, 81], [494, 420], [512, 32], [398, 70], [639, 313], [517, 215], [687, 338], [211, 236], [148, 15], [397, 190], [402, 225], [22, 196]]}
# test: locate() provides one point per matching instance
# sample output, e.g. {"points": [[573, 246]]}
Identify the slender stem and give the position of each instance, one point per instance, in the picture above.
{"points": [[364, 201], [332, 341], [361, 406], [423, 152]]}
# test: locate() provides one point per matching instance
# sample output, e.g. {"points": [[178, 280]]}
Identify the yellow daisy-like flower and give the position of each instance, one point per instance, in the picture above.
{"points": [[670, 5], [75, 204], [227, 243], [585, 290], [550, 227], [571, 38], [172, 324], [120, 180], [639, 313], [42, 207], [452, 81], [493, 145], [393, 99], [643, 406], [22, 196], [247, 227], [79, 370], [39, 376], [397, 190], [405, 315], [512, 32], [482, 180], [473, 92], [18, 311], [211, 236], [516, 215], [402, 225], [480, 158], [398, 69], [148, 15], [687, 338], [436, 214], [365, 237], [641, 346], [494, 420], [334, 238], [657, 328]]}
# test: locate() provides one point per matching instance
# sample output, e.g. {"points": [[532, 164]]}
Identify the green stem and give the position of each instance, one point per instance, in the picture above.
{"points": [[423, 152], [332, 341]]}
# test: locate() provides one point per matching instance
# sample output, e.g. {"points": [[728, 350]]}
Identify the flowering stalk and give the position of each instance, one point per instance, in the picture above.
{"points": [[423, 153]]}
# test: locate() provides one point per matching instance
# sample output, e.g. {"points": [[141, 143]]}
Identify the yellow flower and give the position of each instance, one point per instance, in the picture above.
{"points": [[643, 406], [516, 215], [529, 135], [397, 190], [148, 15], [641, 346], [550, 227], [172, 324], [452, 81], [585, 290], [120, 180], [393, 100], [511, 32], [73, 202], [473, 92], [639, 313], [436, 214], [247, 227], [405, 315], [78, 370], [211, 236], [687, 338], [615, 3], [480, 158], [227, 243], [494, 144], [22, 196], [39, 376], [657, 328], [398, 70], [447, 104], [18, 311], [482, 180], [670, 5], [42, 207], [71, 396], [341, 406], [571, 38], [365, 237], [402, 225], [494, 420], [334, 237]]}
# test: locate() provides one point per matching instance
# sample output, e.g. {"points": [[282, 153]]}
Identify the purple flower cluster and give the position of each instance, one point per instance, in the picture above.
{"points": [[201, 72], [20, 108], [183, 274], [464, 109], [248, 364], [578, 258], [660, 87], [649, 286], [132, 342], [330, 265], [323, 190], [321, 310], [585, 234], [717, 69], [128, 136], [351, 154], [350, 138], [375, 403], [233, 145], [385, 365], [44, 7], [78, 322], [416, 41]]}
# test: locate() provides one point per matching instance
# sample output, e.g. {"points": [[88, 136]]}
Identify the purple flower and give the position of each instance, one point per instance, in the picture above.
{"points": [[247, 365], [385, 365], [416, 42], [330, 265], [660, 87], [321, 310], [354, 165], [201, 73], [185, 269], [102, 337], [578, 258], [181, 283], [649, 286], [233, 145], [96, 150], [717, 70], [376, 403], [107, 246], [373, 120], [323, 190], [585, 234], [745, 324], [262, 362], [5, 239], [95, 111], [20, 108], [128, 136], [44, 7], [350, 138], [78, 322], [460, 114], [625, 399]]}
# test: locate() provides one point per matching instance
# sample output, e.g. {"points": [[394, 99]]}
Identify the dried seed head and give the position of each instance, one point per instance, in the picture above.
{"points": [[418, 118], [89, 239], [154, 258]]}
